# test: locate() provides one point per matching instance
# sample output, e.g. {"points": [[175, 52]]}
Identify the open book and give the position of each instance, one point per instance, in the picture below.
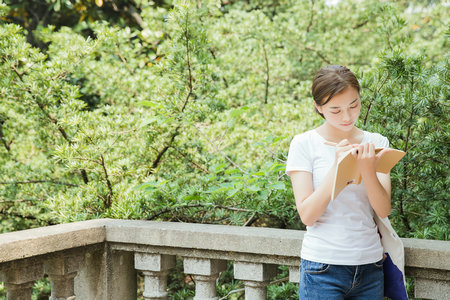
{"points": [[347, 171]]}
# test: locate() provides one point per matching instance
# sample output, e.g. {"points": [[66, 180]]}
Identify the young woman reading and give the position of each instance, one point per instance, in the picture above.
{"points": [[341, 251]]}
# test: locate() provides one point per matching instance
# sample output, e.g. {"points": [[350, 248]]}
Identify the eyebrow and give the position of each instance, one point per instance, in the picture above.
{"points": [[334, 107]]}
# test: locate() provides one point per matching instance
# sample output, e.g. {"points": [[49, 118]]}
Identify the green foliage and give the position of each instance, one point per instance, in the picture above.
{"points": [[410, 107], [184, 110]]}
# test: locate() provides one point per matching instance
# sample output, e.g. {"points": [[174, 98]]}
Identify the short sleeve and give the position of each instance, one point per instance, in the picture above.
{"points": [[378, 140], [299, 156], [384, 142]]}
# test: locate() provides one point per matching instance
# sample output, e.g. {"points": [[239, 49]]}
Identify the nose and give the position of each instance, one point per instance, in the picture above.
{"points": [[346, 116]]}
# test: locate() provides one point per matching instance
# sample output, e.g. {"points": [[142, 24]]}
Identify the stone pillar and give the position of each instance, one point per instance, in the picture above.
{"points": [[155, 268], [107, 274], [62, 272], [294, 274], [19, 279], [205, 273], [430, 283], [19, 291], [256, 278]]}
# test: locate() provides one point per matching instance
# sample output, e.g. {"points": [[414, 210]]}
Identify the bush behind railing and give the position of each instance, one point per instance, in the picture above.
{"points": [[188, 116]]}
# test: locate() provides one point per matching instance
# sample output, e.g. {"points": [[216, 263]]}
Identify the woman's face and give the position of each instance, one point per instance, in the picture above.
{"points": [[342, 111]]}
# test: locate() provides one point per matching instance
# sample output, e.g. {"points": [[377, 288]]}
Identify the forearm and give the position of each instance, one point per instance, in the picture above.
{"points": [[379, 198], [312, 207]]}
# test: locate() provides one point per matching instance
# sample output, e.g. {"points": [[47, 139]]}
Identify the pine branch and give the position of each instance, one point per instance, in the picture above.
{"points": [[318, 54], [169, 209], [50, 117], [2, 137], [40, 181], [108, 183], [266, 94], [124, 60], [20, 200], [308, 28], [196, 165], [158, 159], [366, 117], [218, 150]]}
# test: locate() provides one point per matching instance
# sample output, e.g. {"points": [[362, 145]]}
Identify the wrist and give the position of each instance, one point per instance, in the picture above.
{"points": [[368, 171]]}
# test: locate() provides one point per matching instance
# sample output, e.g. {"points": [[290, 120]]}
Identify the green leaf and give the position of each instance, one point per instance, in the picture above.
{"points": [[277, 186], [146, 104]]}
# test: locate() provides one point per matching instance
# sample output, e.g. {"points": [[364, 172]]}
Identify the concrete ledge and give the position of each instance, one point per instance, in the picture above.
{"points": [[255, 240], [430, 254], [40, 241], [269, 245]]}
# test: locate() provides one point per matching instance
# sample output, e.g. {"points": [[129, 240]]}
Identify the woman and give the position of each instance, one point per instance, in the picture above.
{"points": [[341, 251]]}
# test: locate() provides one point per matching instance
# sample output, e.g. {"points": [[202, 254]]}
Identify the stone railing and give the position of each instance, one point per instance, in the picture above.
{"points": [[99, 259]]}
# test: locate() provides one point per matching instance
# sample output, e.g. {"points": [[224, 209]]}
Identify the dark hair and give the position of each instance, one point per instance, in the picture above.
{"points": [[330, 81]]}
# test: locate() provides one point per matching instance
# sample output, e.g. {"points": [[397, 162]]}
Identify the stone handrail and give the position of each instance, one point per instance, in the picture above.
{"points": [[98, 259]]}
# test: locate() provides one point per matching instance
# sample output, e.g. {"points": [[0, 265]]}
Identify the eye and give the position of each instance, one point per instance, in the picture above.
{"points": [[355, 106], [335, 112]]}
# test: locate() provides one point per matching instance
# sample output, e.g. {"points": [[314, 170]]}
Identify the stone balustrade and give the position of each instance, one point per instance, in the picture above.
{"points": [[99, 259]]}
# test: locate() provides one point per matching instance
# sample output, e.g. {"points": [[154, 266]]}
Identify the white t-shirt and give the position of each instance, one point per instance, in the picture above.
{"points": [[346, 233]]}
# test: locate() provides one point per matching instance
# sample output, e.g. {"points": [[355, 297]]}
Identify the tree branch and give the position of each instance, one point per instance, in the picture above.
{"points": [[218, 150], [193, 162], [188, 62], [40, 181], [266, 94], [124, 60], [20, 200], [360, 24], [2, 137], [308, 28], [51, 118], [157, 161], [371, 102], [169, 209], [108, 183]]}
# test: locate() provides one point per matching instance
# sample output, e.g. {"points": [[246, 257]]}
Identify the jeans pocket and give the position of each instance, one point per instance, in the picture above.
{"points": [[312, 267]]}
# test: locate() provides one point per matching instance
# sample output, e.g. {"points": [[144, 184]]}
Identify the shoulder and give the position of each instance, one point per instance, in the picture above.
{"points": [[377, 139], [303, 142], [304, 137]]}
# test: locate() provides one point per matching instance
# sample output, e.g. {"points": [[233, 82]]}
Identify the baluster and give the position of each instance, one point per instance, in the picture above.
{"points": [[155, 268], [62, 272], [294, 274], [256, 278], [19, 279], [205, 273]]}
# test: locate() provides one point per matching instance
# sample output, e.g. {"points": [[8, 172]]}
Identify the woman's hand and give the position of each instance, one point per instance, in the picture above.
{"points": [[366, 157], [378, 186], [343, 147]]}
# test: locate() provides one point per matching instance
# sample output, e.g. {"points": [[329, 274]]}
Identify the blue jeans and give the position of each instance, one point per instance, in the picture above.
{"points": [[324, 281]]}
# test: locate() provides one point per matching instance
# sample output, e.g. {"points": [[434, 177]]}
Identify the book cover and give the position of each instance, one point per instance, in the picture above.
{"points": [[347, 171]]}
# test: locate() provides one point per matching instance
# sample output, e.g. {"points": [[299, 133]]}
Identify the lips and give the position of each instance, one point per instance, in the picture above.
{"points": [[347, 124]]}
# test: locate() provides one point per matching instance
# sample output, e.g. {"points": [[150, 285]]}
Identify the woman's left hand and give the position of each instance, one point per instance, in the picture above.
{"points": [[365, 157]]}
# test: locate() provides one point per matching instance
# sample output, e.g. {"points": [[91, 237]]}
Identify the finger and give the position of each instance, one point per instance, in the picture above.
{"points": [[366, 149], [344, 142], [345, 148], [360, 150], [371, 149]]}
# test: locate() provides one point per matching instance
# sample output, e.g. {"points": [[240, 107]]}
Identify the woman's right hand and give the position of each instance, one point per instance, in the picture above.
{"points": [[343, 147]]}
